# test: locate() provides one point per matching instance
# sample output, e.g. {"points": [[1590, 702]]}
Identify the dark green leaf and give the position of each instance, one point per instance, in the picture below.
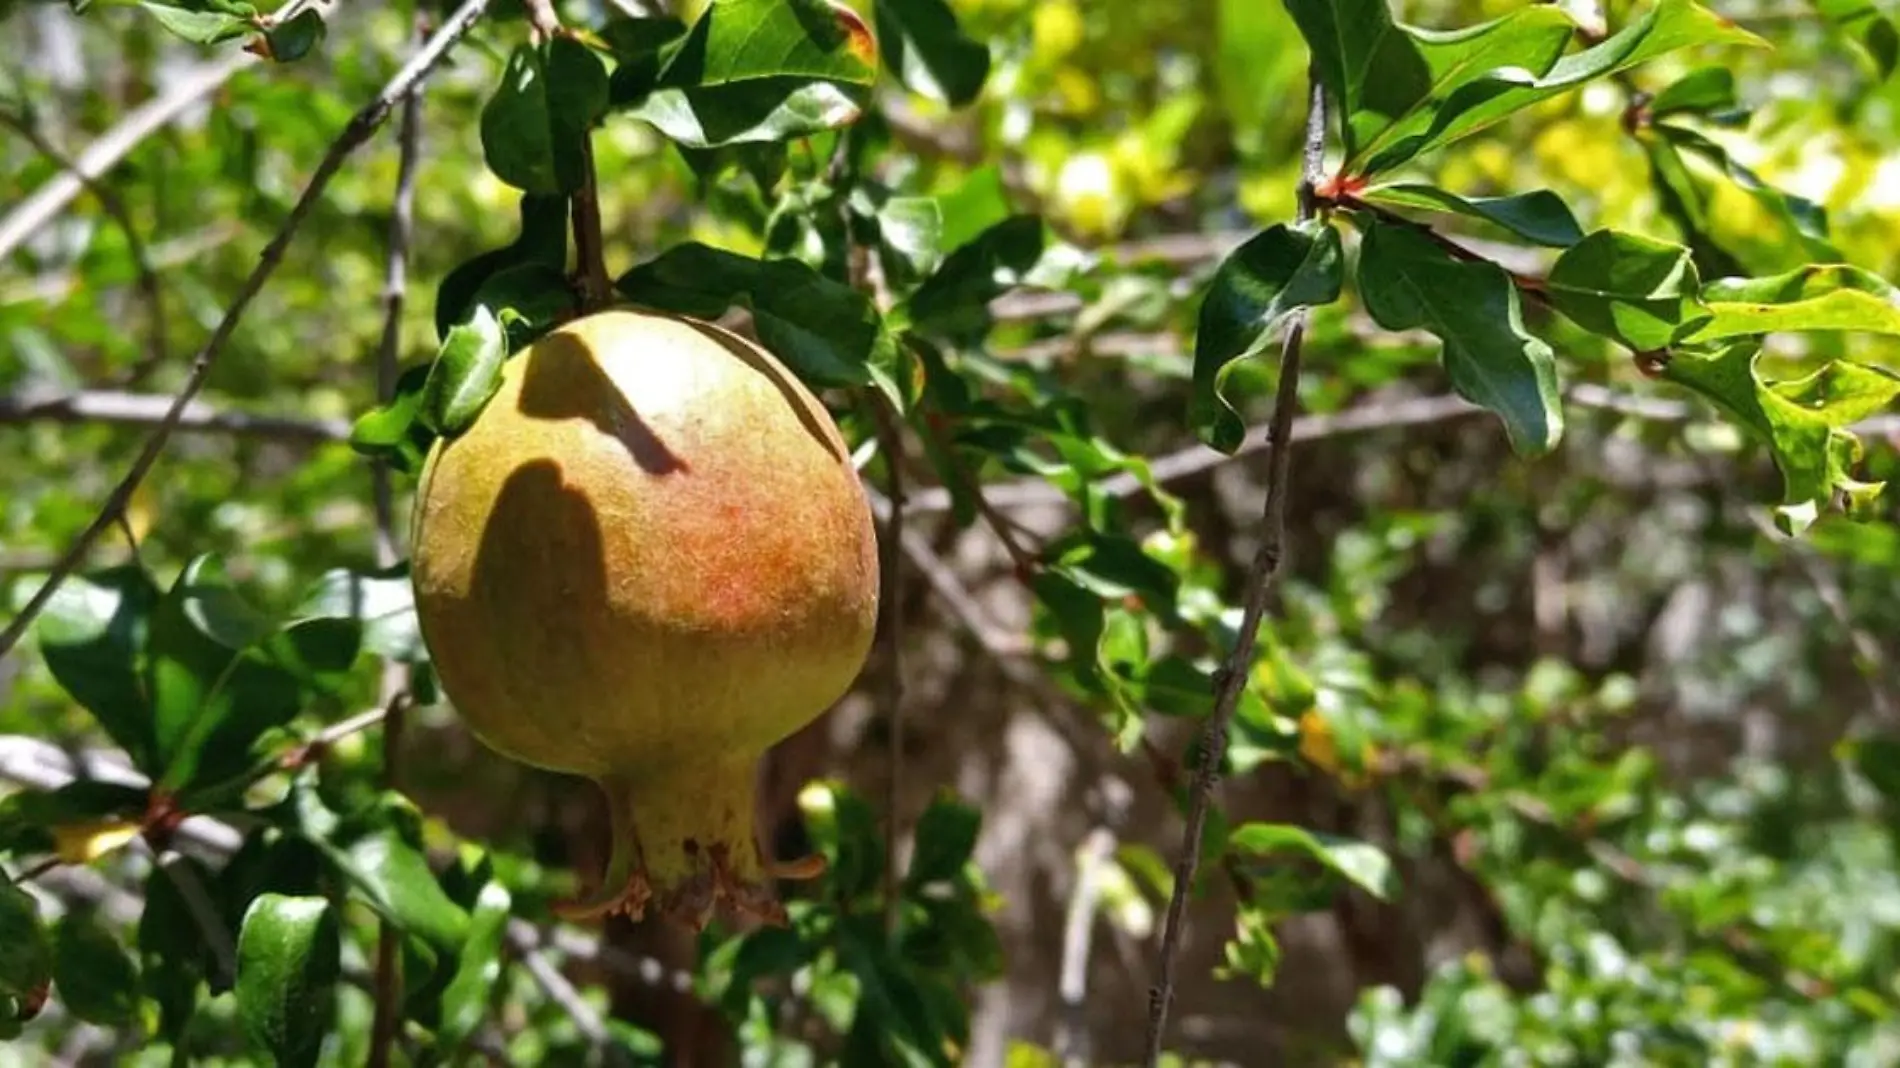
{"points": [[29, 819], [380, 852], [172, 953], [202, 27], [293, 40], [909, 238], [946, 837], [387, 428], [543, 240], [1637, 290], [1820, 297], [26, 954], [827, 333], [1540, 216], [92, 635], [1869, 27], [288, 962], [1805, 218], [639, 46], [955, 299], [1361, 862], [535, 126], [980, 202], [467, 373], [763, 70], [1703, 90], [923, 45], [92, 974], [1802, 421], [1175, 687], [1276, 272], [1408, 281]]}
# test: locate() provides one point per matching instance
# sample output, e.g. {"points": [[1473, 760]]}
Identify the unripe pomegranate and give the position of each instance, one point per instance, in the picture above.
{"points": [[649, 560]]}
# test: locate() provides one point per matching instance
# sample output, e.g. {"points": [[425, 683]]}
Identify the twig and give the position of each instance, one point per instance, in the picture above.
{"points": [[359, 129], [590, 256], [102, 155], [1231, 679], [387, 991], [562, 992], [152, 409], [115, 207]]}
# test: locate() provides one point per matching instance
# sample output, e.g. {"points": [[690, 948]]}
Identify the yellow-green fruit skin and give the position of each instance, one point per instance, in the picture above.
{"points": [[648, 560]]}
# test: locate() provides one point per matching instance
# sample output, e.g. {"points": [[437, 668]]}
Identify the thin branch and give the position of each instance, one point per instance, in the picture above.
{"points": [[1231, 679], [152, 410], [46, 202], [1078, 930], [562, 992], [204, 913], [358, 131], [386, 993], [114, 206]]}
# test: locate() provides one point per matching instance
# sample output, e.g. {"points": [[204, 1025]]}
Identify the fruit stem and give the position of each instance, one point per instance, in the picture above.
{"points": [[683, 845], [590, 253]]}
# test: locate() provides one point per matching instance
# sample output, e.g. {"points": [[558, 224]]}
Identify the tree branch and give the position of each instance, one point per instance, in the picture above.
{"points": [[891, 444], [1232, 677], [358, 131]]}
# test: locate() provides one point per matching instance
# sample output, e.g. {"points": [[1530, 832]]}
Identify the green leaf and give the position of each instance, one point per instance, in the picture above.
{"points": [[92, 635], [1868, 26], [535, 126], [466, 375], [381, 602], [1541, 217], [173, 957], [203, 27], [1277, 271], [26, 954], [94, 978], [30, 819], [946, 837], [1393, 76], [978, 203], [827, 333], [1366, 865], [214, 693], [909, 235], [1408, 281], [1820, 297], [1803, 421], [465, 1002], [543, 241], [1698, 92], [289, 956], [922, 43], [1805, 218], [763, 70], [640, 49], [954, 300], [1666, 26], [293, 40], [379, 851], [1637, 290]]}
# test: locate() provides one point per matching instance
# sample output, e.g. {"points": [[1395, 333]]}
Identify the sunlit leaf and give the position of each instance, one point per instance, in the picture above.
{"points": [[466, 375], [1820, 297], [922, 43], [1639, 291], [1540, 216], [534, 127], [288, 963], [1366, 865]]}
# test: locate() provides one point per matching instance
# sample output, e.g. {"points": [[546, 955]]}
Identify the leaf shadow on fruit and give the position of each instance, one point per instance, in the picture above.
{"points": [[563, 381]]}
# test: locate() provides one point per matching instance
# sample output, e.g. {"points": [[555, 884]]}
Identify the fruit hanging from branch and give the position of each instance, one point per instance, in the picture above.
{"points": [[647, 561]]}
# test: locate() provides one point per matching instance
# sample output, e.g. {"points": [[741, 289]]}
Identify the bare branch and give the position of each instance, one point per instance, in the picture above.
{"points": [[114, 206], [562, 992], [152, 410], [359, 129], [1232, 677], [891, 444]]}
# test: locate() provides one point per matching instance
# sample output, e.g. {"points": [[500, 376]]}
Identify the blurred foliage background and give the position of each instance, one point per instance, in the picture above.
{"points": [[1631, 752]]}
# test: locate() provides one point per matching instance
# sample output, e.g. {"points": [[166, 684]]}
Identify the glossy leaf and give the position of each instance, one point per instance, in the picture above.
{"points": [[1364, 864], [1803, 421], [1541, 217], [1806, 219], [954, 300], [1822, 297], [763, 70], [465, 1001], [173, 956], [382, 603], [288, 963], [827, 333], [1639, 291], [1664, 27], [1407, 281], [92, 635], [1276, 272], [1704, 90], [946, 837], [204, 27], [291, 41], [542, 242], [26, 953], [535, 126], [466, 375], [922, 44], [92, 975], [640, 48], [379, 851]]}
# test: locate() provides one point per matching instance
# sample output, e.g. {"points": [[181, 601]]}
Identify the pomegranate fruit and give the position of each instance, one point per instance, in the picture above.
{"points": [[646, 562]]}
